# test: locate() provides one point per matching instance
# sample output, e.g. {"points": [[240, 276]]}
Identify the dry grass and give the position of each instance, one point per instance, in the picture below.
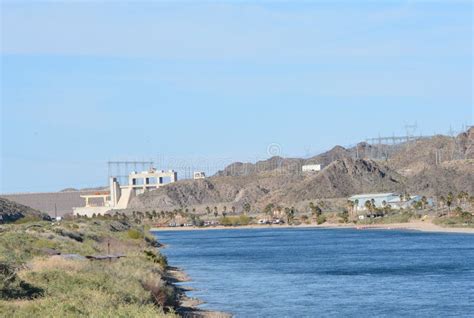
{"points": [[55, 262], [129, 287]]}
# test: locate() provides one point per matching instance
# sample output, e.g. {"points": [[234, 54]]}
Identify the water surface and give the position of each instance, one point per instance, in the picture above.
{"points": [[327, 272]]}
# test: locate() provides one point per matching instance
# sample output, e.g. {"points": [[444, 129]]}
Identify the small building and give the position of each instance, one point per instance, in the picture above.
{"points": [[199, 175], [312, 168], [382, 200], [119, 196]]}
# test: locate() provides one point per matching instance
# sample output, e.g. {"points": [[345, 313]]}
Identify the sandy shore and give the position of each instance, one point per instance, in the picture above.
{"points": [[425, 226]]}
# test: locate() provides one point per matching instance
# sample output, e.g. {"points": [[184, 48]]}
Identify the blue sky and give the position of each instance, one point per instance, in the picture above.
{"points": [[202, 84]]}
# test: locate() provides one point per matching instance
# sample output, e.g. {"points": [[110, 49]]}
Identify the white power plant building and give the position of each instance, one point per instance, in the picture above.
{"points": [[311, 168], [119, 196]]}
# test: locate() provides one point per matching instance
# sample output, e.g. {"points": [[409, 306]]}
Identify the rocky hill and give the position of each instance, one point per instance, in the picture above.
{"points": [[11, 211], [430, 166], [341, 178]]}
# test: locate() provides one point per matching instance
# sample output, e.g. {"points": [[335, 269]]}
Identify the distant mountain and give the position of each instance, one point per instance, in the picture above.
{"points": [[11, 211], [341, 178], [288, 165], [429, 166], [293, 165]]}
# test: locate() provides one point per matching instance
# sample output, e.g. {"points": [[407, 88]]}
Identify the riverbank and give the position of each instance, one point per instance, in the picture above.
{"points": [[189, 307], [87, 268], [307, 273], [423, 226]]}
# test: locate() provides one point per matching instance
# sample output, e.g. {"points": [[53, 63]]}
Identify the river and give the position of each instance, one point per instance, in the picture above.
{"points": [[327, 272]]}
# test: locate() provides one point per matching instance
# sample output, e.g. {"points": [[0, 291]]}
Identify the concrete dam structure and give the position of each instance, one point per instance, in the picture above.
{"points": [[118, 197]]}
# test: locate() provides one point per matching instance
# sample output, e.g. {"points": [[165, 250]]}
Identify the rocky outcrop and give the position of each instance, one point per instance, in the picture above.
{"points": [[11, 211]]}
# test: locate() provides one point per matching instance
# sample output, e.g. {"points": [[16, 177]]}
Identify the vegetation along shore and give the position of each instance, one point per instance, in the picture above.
{"points": [[88, 268]]}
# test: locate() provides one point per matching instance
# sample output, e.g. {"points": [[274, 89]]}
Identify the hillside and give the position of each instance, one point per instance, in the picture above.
{"points": [[429, 166], [341, 178], [11, 211]]}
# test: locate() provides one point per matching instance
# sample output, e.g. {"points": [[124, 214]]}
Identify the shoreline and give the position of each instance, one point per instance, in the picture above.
{"points": [[420, 226], [189, 306]]}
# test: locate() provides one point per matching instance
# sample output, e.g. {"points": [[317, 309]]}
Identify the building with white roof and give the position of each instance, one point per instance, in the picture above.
{"points": [[311, 168], [381, 200]]}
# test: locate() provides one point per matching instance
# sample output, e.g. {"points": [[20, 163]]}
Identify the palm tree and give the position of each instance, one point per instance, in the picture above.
{"points": [[424, 202], [268, 210], [247, 208], [449, 202], [442, 201], [368, 205], [316, 211], [350, 207], [384, 206], [463, 197], [216, 213], [287, 213], [290, 214]]}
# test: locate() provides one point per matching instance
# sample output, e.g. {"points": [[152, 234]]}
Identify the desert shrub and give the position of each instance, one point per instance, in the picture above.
{"points": [[126, 288], [151, 241], [72, 235], [59, 287], [235, 220], [465, 219], [12, 287], [157, 258], [134, 234], [305, 219], [244, 220], [119, 226], [321, 219], [28, 219], [403, 217], [343, 216], [163, 294]]}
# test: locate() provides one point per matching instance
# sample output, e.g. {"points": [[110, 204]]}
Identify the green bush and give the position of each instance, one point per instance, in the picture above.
{"points": [[321, 219], [157, 258], [465, 219], [28, 219], [12, 287], [235, 220], [134, 234]]}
